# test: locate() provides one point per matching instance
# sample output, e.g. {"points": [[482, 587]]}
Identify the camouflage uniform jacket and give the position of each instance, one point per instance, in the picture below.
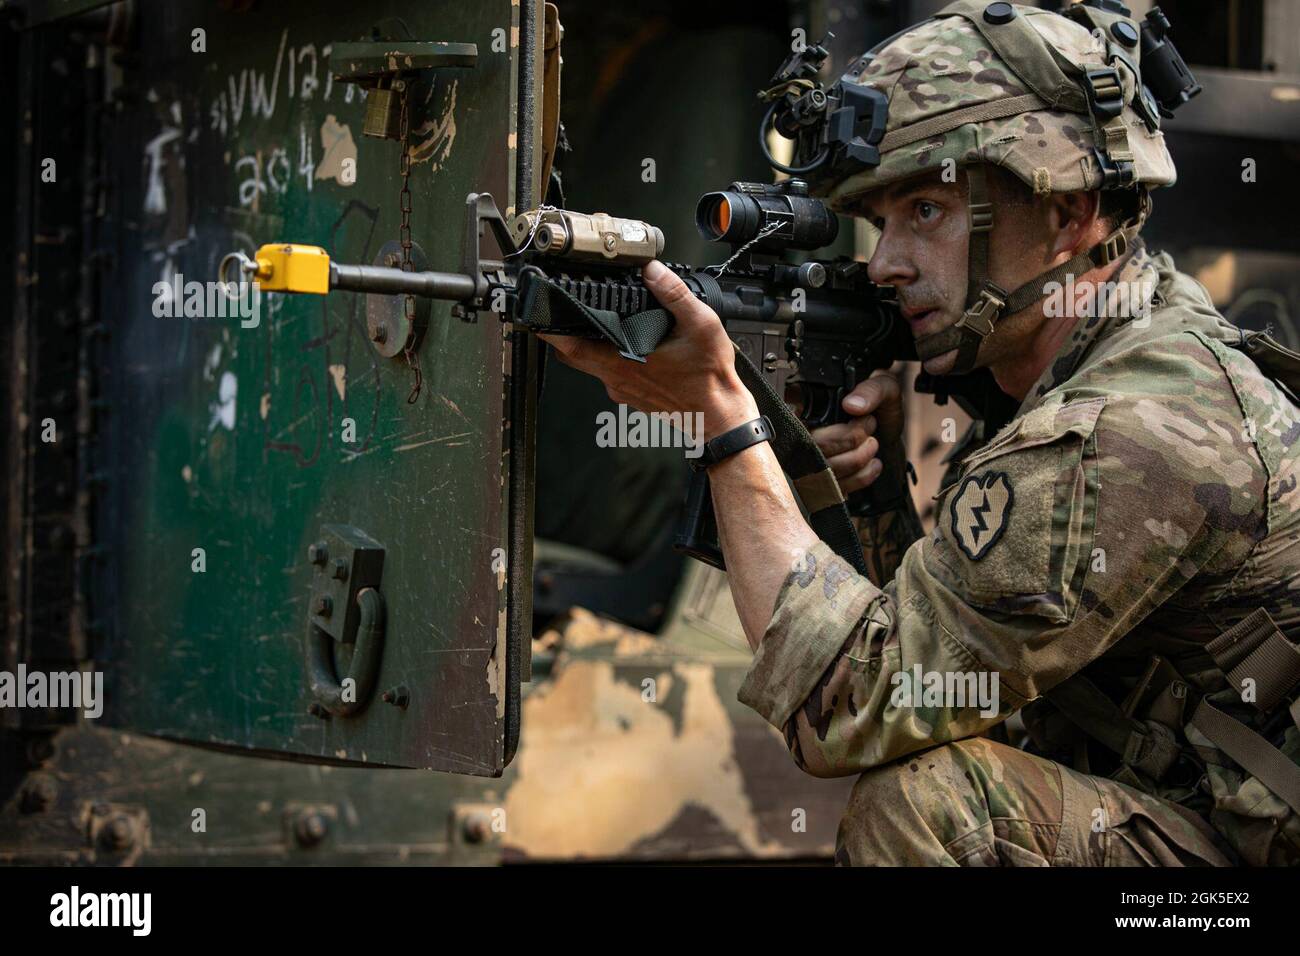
{"points": [[1143, 499]]}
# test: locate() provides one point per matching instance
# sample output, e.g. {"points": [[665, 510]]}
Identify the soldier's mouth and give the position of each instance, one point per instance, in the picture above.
{"points": [[917, 319]]}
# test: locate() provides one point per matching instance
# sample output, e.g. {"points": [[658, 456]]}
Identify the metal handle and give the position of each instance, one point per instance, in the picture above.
{"points": [[318, 654]]}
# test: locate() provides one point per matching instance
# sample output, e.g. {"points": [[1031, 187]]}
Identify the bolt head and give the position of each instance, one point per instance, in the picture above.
{"points": [[317, 553], [38, 796], [379, 334], [117, 834], [322, 605], [310, 829], [475, 828], [341, 568], [399, 696]]}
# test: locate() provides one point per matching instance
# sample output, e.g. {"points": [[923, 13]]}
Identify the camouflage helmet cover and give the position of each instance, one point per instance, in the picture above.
{"points": [[1017, 92]]}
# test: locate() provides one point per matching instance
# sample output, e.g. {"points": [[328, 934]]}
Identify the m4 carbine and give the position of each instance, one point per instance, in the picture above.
{"points": [[805, 334]]}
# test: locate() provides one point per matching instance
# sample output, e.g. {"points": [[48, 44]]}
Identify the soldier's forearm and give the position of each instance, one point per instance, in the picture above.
{"points": [[763, 533], [761, 530]]}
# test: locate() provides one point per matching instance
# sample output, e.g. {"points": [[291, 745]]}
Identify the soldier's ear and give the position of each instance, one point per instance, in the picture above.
{"points": [[1072, 219]]}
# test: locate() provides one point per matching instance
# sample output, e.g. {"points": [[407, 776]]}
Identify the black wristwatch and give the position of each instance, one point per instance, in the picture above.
{"points": [[730, 442]]}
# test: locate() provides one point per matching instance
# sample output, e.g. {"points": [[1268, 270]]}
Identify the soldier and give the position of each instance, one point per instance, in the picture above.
{"points": [[1120, 562]]}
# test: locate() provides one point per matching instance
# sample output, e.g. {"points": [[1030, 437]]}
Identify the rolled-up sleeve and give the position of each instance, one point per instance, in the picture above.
{"points": [[834, 672], [1045, 553], [793, 656]]}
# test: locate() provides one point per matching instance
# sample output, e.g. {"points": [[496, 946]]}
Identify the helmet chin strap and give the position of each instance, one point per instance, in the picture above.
{"points": [[987, 302]]}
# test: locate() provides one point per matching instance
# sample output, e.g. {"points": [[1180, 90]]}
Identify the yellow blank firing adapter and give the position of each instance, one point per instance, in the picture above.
{"points": [[282, 267]]}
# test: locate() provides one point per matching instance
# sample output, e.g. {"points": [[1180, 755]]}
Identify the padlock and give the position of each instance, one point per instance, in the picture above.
{"points": [[383, 114]]}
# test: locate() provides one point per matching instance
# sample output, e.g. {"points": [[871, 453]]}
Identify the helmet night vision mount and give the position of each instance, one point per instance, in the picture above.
{"points": [[840, 129], [845, 123]]}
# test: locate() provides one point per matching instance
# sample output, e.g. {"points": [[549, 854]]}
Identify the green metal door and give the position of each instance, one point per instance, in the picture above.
{"points": [[259, 471]]}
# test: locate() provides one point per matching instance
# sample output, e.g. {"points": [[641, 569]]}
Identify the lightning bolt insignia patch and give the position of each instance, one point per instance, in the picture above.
{"points": [[979, 511]]}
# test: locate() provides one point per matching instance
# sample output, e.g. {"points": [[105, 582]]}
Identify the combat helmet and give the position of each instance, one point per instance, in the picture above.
{"points": [[1067, 101]]}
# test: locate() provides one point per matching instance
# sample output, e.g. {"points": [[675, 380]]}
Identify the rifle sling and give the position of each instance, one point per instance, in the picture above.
{"points": [[1252, 752]]}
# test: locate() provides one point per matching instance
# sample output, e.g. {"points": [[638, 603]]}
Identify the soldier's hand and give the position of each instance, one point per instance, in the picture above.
{"points": [[853, 449], [693, 370]]}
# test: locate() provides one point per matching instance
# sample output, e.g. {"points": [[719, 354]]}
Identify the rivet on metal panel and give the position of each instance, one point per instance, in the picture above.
{"points": [[117, 834], [399, 696], [310, 828], [38, 795]]}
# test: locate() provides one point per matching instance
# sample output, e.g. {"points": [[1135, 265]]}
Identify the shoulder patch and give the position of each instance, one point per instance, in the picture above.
{"points": [[979, 512]]}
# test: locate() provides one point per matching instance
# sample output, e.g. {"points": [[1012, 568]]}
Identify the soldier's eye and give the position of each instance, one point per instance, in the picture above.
{"points": [[926, 211]]}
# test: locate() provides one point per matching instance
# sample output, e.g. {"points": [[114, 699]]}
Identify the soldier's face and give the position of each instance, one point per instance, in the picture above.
{"points": [[924, 226]]}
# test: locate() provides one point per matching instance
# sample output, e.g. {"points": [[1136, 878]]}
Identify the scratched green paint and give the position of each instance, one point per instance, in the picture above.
{"points": [[217, 656]]}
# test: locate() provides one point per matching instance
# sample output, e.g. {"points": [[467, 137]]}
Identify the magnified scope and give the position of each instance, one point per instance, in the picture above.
{"points": [[783, 213]]}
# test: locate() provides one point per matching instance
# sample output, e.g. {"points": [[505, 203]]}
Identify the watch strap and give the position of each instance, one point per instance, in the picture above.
{"points": [[730, 442]]}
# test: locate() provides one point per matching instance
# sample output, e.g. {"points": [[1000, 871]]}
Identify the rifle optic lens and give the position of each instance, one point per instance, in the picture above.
{"points": [[723, 217], [790, 221]]}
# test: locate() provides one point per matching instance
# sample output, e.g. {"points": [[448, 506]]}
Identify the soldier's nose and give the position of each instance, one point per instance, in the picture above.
{"points": [[888, 266]]}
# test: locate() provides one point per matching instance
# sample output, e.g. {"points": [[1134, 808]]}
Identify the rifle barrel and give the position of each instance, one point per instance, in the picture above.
{"points": [[454, 286]]}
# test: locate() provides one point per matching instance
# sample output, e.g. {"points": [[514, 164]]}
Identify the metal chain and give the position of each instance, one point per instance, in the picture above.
{"points": [[404, 234], [763, 234]]}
